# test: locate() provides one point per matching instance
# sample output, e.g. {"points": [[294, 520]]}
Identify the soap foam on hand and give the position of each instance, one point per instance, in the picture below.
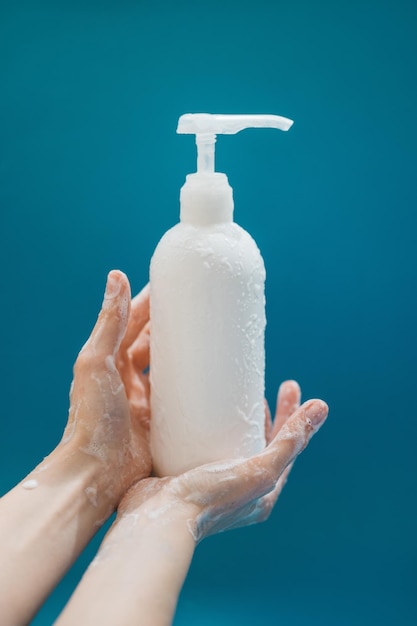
{"points": [[207, 302], [30, 484]]}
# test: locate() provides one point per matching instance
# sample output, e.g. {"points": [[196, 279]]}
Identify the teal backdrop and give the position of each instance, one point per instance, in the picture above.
{"points": [[90, 172]]}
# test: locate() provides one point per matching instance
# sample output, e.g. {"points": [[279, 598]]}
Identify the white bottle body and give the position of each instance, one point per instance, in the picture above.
{"points": [[207, 347]]}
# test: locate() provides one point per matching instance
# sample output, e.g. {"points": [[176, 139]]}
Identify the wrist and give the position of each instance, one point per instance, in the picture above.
{"points": [[54, 511], [148, 549], [154, 500], [69, 468], [112, 469]]}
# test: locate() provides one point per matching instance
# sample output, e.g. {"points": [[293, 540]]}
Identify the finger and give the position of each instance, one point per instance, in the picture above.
{"points": [[233, 484], [288, 401], [139, 402], [295, 434], [112, 321], [267, 467], [139, 316], [268, 423], [139, 351]]}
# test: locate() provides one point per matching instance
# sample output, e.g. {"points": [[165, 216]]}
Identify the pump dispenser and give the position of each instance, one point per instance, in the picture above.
{"points": [[208, 317]]}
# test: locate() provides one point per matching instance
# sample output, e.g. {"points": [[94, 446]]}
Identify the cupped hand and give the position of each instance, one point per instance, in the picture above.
{"points": [[109, 398], [223, 495]]}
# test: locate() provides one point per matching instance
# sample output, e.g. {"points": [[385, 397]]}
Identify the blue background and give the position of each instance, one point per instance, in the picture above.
{"points": [[90, 171]]}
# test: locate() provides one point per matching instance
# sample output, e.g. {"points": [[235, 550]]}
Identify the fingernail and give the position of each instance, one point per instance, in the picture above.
{"points": [[317, 412], [112, 285]]}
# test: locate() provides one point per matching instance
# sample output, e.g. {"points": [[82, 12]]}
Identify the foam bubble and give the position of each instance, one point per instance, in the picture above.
{"points": [[223, 466], [30, 484], [110, 364], [91, 493], [94, 449]]}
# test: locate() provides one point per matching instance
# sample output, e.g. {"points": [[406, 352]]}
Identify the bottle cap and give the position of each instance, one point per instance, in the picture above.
{"points": [[206, 197]]}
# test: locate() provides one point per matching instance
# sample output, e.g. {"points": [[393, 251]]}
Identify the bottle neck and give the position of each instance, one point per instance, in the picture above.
{"points": [[206, 199]]}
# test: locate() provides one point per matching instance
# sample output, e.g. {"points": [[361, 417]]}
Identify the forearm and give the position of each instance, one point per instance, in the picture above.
{"points": [[45, 522], [137, 575]]}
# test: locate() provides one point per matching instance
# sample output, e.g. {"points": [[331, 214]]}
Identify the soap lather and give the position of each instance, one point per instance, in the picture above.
{"points": [[207, 296]]}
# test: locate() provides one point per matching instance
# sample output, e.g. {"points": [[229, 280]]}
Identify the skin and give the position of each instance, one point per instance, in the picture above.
{"points": [[136, 578], [109, 400], [103, 461], [103, 451], [142, 563]]}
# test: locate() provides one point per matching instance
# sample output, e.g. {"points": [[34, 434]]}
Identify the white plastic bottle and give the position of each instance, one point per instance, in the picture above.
{"points": [[208, 318]]}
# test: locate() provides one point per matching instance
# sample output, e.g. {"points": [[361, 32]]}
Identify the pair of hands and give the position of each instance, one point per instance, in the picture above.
{"points": [[109, 422]]}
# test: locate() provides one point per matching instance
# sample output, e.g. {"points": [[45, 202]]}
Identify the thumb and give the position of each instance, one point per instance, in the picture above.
{"points": [[112, 321]]}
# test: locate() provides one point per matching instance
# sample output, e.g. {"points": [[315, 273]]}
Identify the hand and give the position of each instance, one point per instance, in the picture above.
{"points": [[109, 398], [150, 545], [59, 506], [220, 496]]}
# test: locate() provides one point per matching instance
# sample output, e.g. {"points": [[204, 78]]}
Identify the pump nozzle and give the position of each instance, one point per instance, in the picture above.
{"points": [[206, 126]]}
